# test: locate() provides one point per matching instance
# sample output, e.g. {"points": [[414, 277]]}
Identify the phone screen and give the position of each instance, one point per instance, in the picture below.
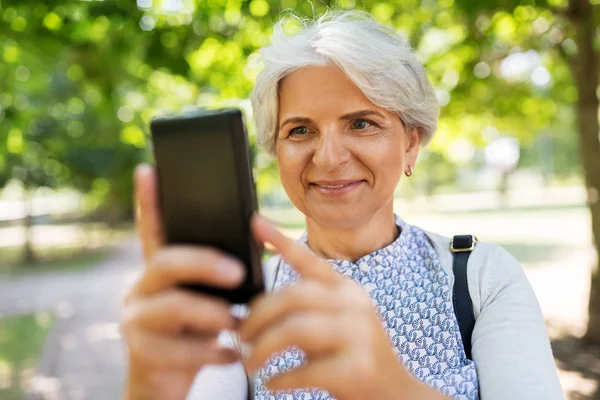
{"points": [[205, 186], [199, 185]]}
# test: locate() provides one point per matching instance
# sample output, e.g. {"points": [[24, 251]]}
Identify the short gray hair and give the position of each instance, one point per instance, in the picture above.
{"points": [[376, 59]]}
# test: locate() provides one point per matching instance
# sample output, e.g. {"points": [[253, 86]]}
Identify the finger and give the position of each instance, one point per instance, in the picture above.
{"points": [[177, 311], [178, 352], [326, 373], [304, 296], [269, 248], [147, 210], [298, 255], [315, 334], [190, 264]]}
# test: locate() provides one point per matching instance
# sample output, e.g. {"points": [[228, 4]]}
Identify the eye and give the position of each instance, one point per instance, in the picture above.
{"points": [[298, 131], [361, 124]]}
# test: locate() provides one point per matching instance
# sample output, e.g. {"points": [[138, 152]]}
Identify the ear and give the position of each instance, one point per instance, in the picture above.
{"points": [[412, 147]]}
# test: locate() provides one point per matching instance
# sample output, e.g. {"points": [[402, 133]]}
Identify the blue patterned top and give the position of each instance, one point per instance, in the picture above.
{"points": [[410, 290]]}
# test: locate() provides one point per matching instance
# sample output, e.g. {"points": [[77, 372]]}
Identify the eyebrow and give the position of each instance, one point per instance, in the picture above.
{"points": [[362, 113], [349, 116]]}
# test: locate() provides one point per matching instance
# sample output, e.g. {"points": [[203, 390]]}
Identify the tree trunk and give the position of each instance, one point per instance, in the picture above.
{"points": [[503, 188], [586, 71], [112, 211], [29, 257]]}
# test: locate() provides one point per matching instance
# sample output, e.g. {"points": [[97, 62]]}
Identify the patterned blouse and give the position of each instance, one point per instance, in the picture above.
{"points": [[409, 289]]}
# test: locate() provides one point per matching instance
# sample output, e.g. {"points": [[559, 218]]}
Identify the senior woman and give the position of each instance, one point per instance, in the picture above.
{"points": [[361, 306]]}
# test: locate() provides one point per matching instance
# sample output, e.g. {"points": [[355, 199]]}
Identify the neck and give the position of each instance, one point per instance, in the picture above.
{"points": [[352, 242]]}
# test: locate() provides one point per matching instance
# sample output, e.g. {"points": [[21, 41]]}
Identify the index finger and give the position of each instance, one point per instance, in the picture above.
{"points": [[304, 261]]}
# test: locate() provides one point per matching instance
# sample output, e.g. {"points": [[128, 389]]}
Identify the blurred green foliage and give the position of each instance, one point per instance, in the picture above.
{"points": [[80, 80]]}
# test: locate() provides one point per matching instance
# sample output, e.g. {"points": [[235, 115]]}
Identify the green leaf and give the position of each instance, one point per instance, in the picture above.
{"points": [[259, 8], [11, 53], [14, 143], [133, 135], [52, 21]]}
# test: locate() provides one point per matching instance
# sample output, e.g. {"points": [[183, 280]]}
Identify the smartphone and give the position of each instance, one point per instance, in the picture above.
{"points": [[206, 191]]}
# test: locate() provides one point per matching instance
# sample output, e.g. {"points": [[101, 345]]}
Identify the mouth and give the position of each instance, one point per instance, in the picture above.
{"points": [[337, 187]]}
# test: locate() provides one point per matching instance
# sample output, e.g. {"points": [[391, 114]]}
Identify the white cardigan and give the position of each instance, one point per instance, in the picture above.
{"points": [[510, 344]]}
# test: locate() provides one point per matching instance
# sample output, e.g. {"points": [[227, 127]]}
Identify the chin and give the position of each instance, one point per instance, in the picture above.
{"points": [[341, 216]]}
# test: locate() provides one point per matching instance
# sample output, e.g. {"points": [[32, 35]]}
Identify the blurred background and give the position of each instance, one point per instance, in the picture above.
{"points": [[516, 159]]}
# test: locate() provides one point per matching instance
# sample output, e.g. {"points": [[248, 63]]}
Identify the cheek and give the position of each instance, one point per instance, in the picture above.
{"points": [[386, 161], [395, 165], [291, 164], [394, 161]]}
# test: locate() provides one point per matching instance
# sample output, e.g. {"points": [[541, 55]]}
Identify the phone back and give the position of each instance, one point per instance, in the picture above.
{"points": [[206, 190]]}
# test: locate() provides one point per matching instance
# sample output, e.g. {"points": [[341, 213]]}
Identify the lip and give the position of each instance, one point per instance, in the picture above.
{"points": [[348, 186], [336, 182]]}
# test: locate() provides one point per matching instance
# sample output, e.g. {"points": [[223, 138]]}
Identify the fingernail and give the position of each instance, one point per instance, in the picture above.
{"points": [[266, 223], [264, 219], [143, 169], [230, 269]]}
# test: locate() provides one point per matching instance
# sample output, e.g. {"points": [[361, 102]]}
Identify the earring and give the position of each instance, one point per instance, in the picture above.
{"points": [[409, 172]]}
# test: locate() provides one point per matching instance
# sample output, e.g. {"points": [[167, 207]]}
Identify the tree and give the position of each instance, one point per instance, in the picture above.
{"points": [[81, 80], [572, 39], [585, 64]]}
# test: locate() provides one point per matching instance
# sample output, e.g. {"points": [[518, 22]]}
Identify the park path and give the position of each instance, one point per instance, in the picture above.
{"points": [[83, 358]]}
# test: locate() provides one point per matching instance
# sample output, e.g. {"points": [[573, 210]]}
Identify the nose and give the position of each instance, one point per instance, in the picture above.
{"points": [[331, 151]]}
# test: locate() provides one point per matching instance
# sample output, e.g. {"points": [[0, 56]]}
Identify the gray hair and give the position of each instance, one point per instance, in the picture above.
{"points": [[373, 56]]}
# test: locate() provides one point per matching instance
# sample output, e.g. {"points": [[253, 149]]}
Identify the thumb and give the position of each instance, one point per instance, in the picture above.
{"points": [[147, 211]]}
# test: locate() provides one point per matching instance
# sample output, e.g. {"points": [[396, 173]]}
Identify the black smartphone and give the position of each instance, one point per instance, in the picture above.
{"points": [[206, 191]]}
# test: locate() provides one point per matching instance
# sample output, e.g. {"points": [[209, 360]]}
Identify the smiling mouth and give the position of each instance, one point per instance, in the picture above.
{"points": [[333, 186], [336, 187]]}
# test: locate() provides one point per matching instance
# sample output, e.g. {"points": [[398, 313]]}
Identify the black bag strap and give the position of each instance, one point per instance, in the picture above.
{"points": [[461, 247]]}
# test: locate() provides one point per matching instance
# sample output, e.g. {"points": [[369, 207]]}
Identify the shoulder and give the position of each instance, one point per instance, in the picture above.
{"points": [[491, 269], [510, 343]]}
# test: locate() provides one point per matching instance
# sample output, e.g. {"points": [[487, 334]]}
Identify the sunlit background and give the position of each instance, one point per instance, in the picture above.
{"points": [[80, 81]]}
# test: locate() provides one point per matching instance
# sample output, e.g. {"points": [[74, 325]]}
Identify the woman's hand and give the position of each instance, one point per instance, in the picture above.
{"points": [[333, 321], [171, 333]]}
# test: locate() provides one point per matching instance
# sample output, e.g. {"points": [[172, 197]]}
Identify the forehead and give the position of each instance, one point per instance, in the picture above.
{"points": [[320, 89]]}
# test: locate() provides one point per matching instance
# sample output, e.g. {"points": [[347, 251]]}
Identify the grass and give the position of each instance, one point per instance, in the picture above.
{"points": [[525, 210], [22, 340], [51, 260], [531, 253]]}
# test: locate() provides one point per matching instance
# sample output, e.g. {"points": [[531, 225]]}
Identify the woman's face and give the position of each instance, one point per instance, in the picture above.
{"points": [[340, 156]]}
